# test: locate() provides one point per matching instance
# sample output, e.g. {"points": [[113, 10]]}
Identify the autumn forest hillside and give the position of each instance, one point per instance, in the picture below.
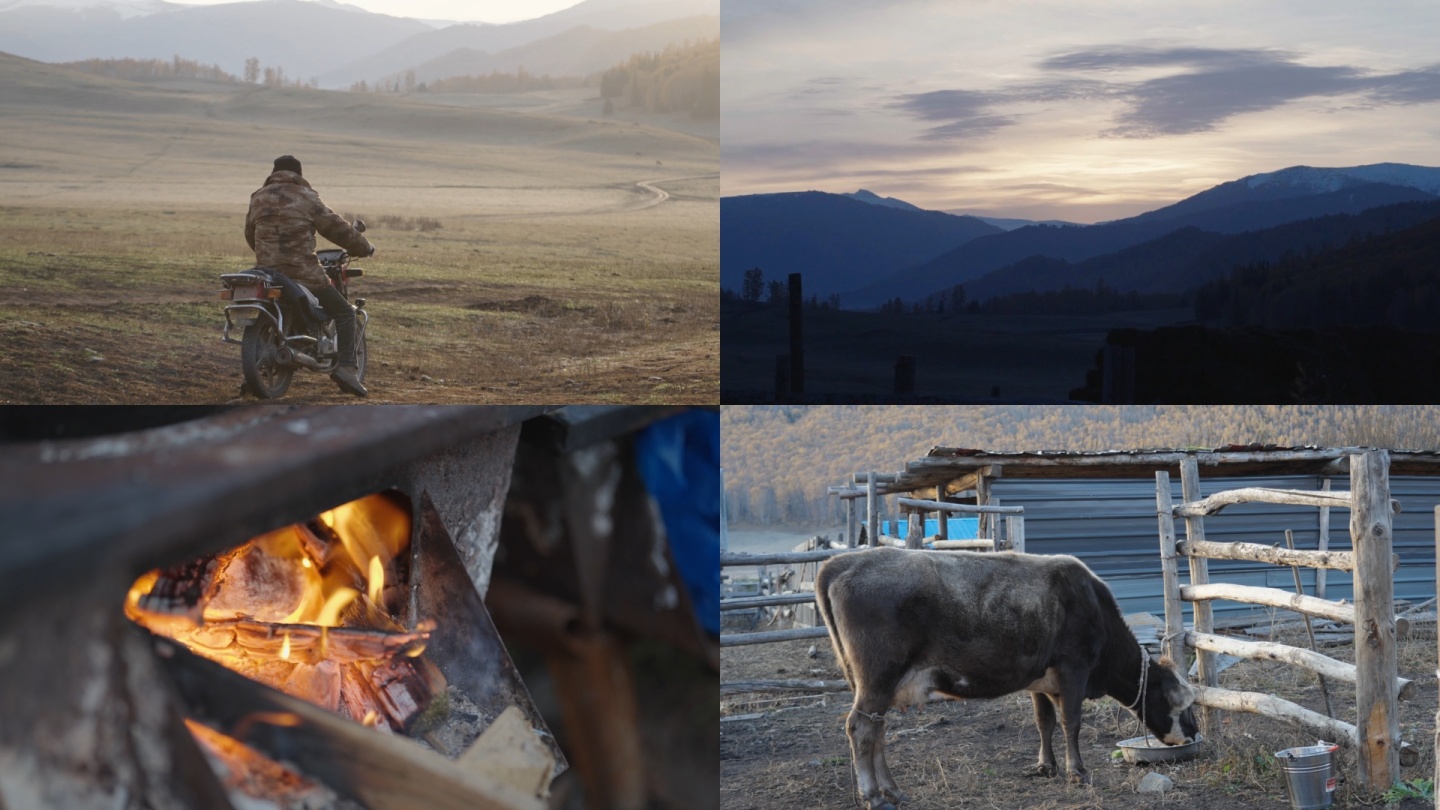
{"points": [[779, 459]]}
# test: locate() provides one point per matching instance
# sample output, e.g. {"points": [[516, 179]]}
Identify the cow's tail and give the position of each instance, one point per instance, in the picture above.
{"points": [[823, 578]]}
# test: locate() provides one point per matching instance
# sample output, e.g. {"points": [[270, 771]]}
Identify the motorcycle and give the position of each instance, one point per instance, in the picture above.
{"points": [[282, 325]]}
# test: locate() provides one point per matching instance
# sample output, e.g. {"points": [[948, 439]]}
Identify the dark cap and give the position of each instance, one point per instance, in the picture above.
{"points": [[287, 163]]}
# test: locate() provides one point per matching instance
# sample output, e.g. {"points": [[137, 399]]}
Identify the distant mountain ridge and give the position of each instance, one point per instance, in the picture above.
{"points": [[336, 43], [838, 242], [574, 52], [604, 15], [1252, 203]]}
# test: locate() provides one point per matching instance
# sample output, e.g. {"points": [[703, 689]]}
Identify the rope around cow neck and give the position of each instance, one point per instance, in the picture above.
{"points": [[1140, 694]]}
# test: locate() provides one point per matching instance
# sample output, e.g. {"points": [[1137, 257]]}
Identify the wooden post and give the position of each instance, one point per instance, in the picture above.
{"points": [[1118, 375], [797, 336], [905, 374], [1174, 642], [1324, 540], [942, 530], [1015, 529], [1375, 653], [914, 527], [986, 528], [782, 378], [1199, 575], [849, 504], [872, 512]]}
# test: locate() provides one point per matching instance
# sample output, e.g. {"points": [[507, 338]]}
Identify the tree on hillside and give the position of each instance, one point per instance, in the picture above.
{"points": [[252, 69], [776, 292], [754, 284]]}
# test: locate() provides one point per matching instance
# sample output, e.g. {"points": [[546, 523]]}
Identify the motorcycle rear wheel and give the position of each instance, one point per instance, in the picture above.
{"points": [[259, 346]]}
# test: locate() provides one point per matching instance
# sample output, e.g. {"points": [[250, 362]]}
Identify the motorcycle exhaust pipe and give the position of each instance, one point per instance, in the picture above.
{"points": [[307, 361]]}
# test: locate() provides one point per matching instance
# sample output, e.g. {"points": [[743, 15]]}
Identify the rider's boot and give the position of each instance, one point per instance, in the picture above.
{"points": [[346, 373], [348, 378]]}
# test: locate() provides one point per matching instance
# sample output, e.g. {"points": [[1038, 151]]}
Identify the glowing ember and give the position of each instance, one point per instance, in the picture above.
{"points": [[304, 609]]}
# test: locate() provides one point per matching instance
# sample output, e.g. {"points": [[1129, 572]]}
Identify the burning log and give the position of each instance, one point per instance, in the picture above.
{"points": [[302, 609], [379, 771]]}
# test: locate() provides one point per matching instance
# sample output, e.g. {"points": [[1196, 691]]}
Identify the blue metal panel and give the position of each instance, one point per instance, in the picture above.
{"points": [[1111, 525]]}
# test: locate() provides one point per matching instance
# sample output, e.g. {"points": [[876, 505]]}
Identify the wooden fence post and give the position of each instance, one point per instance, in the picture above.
{"points": [[1174, 642], [1015, 530], [1324, 544], [914, 527], [1199, 575], [942, 530], [1375, 653], [872, 512]]}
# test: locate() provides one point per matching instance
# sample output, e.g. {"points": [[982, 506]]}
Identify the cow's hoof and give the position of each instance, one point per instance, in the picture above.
{"points": [[1040, 769], [1080, 778]]}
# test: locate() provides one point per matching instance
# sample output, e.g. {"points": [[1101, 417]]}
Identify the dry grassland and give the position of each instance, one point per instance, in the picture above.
{"points": [[555, 276], [789, 750]]}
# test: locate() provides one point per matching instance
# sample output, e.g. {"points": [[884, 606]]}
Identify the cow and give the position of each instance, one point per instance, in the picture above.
{"points": [[908, 626]]}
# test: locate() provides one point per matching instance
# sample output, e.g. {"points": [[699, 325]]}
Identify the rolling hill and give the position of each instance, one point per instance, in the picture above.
{"points": [[576, 52], [837, 242], [1183, 259], [1244, 205], [602, 15]]}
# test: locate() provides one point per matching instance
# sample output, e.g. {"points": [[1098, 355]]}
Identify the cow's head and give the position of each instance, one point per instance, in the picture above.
{"points": [[1168, 702]]}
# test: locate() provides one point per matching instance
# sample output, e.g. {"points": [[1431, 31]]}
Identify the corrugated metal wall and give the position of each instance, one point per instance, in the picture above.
{"points": [[1111, 525]]}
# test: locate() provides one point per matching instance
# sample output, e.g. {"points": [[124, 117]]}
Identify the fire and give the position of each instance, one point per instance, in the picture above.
{"points": [[305, 609]]}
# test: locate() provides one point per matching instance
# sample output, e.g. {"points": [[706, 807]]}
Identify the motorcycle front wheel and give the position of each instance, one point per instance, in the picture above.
{"points": [[267, 377]]}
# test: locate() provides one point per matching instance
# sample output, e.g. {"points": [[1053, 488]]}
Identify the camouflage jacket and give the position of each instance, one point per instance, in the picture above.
{"points": [[284, 215]]}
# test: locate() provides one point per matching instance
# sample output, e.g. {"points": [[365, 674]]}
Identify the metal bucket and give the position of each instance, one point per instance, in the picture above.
{"points": [[1308, 776]]}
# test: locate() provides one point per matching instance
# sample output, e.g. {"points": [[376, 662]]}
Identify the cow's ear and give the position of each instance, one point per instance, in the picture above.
{"points": [[1165, 661]]}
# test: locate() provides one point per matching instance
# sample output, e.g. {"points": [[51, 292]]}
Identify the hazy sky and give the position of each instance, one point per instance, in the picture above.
{"points": [[463, 10], [1071, 109]]}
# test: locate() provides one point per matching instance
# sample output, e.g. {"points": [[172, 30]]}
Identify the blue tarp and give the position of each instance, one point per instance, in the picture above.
{"points": [[679, 458], [960, 528]]}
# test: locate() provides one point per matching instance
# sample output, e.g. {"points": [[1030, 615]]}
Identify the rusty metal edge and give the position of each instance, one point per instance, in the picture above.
{"points": [[94, 513]]}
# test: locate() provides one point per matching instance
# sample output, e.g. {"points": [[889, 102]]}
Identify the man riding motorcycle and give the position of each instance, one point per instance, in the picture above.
{"points": [[280, 227]]}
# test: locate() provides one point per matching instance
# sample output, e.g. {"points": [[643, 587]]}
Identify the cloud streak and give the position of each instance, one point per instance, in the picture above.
{"points": [[1206, 87]]}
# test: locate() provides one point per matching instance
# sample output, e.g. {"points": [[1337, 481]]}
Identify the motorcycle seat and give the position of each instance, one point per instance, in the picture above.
{"points": [[296, 293]]}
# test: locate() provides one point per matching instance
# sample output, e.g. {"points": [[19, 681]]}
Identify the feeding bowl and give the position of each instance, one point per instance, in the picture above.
{"points": [[1142, 750]]}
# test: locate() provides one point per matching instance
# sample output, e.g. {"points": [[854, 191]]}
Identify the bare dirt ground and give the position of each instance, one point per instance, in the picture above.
{"points": [[576, 259], [972, 753]]}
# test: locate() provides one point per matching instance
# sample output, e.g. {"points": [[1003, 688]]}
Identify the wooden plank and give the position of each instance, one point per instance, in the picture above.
{"points": [[963, 545], [1375, 642], [916, 503], [792, 685], [915, 527], [1280, 709], [1271, 597], [741, 639], [1289, 497], [1295, 656], [1174, 644], [1254, 552]]}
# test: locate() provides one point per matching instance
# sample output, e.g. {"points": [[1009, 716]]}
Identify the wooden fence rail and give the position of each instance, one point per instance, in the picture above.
{"points": [[1377, 683]]}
